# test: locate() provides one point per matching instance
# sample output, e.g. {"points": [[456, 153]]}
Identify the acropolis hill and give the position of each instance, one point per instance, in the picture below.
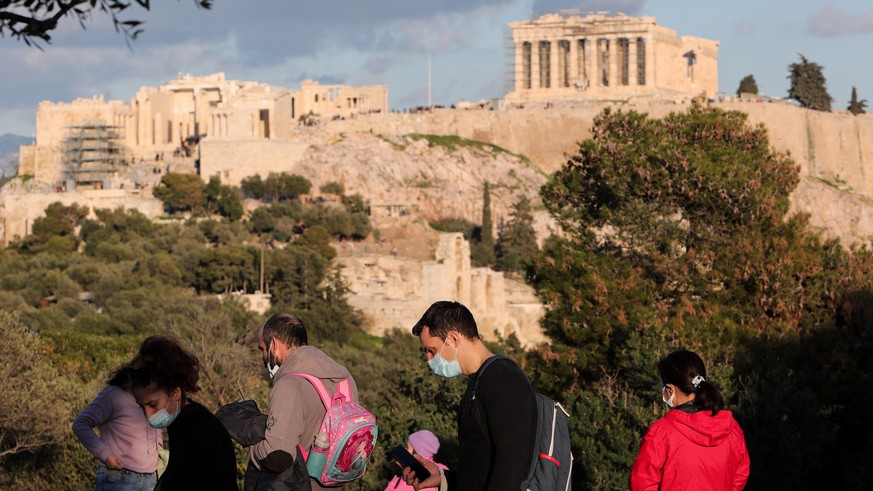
{"points": [[347, 134]]}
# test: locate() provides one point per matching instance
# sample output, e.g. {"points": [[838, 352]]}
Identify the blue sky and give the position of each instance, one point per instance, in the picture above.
{"points": [[389, 41]]}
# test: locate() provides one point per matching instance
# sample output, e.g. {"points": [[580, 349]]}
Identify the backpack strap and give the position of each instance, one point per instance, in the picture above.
{"points": [[477, 415], [482, 370]]}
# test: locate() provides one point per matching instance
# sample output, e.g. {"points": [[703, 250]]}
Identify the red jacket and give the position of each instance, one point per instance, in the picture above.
{"points": [[692, 451]]}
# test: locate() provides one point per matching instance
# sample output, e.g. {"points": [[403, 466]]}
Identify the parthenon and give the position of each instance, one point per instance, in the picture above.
{"points": [[566, 57]]}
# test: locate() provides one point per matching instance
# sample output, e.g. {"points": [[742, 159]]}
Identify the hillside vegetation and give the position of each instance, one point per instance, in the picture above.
{"points": [[675, 233]]}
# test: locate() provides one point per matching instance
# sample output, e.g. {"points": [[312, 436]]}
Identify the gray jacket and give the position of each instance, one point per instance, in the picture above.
{"points": [[296, 410]]}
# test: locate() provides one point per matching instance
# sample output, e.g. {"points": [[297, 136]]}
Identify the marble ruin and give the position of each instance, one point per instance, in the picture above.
{"points": [[393, 292], [175, 116], [569, 57]]}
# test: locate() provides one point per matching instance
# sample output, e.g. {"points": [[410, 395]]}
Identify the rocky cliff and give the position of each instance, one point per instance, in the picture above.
{"points": [[833, 150]]}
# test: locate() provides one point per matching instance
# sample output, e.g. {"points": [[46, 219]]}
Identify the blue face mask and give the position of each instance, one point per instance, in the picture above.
{"points": [[444, 368], [162, 418]]}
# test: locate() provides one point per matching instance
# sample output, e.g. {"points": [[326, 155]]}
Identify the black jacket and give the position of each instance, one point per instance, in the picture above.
{"points": [[201, 453], [247, 424]]}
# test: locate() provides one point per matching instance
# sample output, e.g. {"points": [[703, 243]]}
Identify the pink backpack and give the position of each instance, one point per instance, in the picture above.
{"points": [[351, 431]]}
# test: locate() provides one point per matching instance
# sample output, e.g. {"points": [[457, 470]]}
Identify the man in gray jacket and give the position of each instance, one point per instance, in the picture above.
{"points": [[296, 410]]}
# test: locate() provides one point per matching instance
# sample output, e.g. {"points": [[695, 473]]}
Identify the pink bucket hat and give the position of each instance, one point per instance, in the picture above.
{"points": [[424, 443]]}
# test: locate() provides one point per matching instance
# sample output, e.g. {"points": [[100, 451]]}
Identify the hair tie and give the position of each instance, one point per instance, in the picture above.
{"points": [[697, 380]]}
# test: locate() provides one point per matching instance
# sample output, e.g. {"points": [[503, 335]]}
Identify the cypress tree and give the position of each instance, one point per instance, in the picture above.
{"points": [[487, 226], [748, 85], [808, 85], [857, 107]]}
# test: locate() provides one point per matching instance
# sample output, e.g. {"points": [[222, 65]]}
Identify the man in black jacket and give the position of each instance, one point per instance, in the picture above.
{"points": [[497, 415]]}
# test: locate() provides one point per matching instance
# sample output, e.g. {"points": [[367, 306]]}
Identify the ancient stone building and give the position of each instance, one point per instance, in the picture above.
{"points": [[393, 292], [608, 57], [161, 119]]}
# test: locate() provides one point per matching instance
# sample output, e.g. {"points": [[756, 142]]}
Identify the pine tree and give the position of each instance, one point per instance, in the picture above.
{"points": [[517, 244], [808, 85], [857, 107], [748, 85]]}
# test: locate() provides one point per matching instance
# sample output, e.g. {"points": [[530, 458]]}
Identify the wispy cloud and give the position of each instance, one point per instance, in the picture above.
{"points": [[745, 28], [630, 7], [833, 21]]}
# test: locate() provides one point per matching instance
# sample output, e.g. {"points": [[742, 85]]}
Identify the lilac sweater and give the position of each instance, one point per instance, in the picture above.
{"points": [[124, 430]]}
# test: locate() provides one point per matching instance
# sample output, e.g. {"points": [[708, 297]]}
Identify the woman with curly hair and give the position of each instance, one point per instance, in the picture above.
{"points": [[201, 452], [697, 444]]}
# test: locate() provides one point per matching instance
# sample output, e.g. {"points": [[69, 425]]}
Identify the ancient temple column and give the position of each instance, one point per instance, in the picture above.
{"points": [[650, 62], [518, 72], [534, 65], [591, 62], [574, 63], [632, 65], [614, 78], [554, 65]]}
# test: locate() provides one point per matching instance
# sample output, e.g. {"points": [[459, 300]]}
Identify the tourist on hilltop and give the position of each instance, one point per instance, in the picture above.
{"points": [[425, 444], [201, 452], [127, 447], [278, 443], [497, 416], [697, 444]]}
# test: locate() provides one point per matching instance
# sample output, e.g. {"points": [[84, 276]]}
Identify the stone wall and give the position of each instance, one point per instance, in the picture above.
{"points": [[393, 292], [19, 208], [234, 159]]}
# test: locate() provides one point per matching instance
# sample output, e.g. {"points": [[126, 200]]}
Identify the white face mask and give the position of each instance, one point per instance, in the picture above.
{"points": [[274, 368], [668, 402]]}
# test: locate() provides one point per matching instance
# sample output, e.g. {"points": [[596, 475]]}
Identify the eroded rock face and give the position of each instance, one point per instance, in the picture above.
{"points": [[442, 177], [393, 291]]}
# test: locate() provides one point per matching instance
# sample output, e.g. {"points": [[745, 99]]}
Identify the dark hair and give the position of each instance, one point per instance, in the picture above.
{"points": [[286, 328], [680, 368], [445, 316], [163, 364], [121, 377]]}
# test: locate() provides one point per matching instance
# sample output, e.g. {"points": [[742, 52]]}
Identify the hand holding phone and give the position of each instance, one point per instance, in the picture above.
{"points": [[402, 456]]}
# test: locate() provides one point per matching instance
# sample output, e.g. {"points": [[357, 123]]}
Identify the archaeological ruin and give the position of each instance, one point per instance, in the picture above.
{"points": [[175, 116], [571, 57]]}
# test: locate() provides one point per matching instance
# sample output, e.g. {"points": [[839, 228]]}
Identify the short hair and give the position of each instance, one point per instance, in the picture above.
{"points": [[680, 368], [163, 364], [445, 316], [287, 328]]}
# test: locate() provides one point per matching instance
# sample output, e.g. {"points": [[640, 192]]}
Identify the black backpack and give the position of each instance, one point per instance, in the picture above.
{"points": [[551, 465]]}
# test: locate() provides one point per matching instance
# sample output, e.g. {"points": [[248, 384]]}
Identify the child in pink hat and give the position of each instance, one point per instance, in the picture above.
{"points": [[424, 443]]}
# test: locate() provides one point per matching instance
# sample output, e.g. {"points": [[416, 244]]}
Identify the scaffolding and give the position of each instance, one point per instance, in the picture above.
{"points": [[510, 71], [92, 154]]}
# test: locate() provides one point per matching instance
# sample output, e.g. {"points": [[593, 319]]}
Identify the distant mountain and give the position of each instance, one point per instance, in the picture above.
{"points": [[9, 145]]}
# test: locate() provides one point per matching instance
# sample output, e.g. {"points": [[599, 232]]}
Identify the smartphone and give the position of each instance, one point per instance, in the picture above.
{"points": [[400, 454]]}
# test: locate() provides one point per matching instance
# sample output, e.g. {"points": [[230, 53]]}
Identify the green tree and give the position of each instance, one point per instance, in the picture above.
{"points": [[517, 242], [318, 239], [253, 187], [333, 187], [284, 187], [675, 234], [180, 192], [808, 85], [59, 220], [748, 85], [225, 269], [32, 397], [857, 107], [35, 20], [228, 202]]}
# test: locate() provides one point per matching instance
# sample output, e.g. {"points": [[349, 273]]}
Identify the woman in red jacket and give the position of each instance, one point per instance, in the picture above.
{"points": [[697, 444]]}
